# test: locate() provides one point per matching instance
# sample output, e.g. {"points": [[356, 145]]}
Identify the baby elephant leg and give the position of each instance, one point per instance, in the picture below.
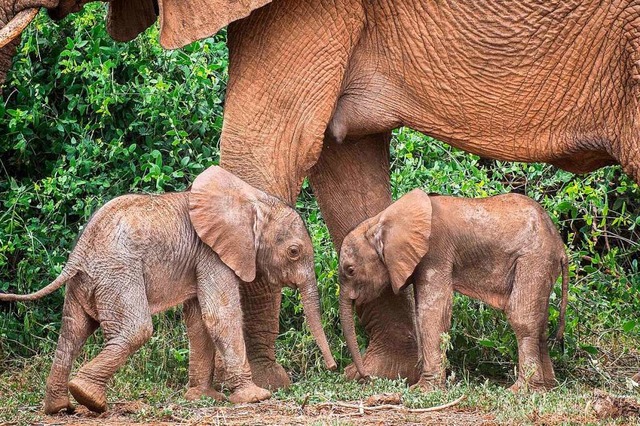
{"points": [[77, 326], [125, 318], [547, 367], [202, 355], [433, 299], [528, 314], [219, 297]]}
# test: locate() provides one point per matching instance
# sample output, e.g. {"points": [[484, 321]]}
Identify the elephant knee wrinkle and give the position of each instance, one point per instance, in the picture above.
{"points": [[140, 336]]}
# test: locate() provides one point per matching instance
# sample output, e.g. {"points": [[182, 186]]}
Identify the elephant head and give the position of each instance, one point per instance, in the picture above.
{"points": [[256, 234], [181, 22], [383, 250]]}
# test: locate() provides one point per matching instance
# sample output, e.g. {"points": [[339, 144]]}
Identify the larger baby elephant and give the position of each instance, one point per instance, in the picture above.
{"points": [[142, 254], [503, 250]]}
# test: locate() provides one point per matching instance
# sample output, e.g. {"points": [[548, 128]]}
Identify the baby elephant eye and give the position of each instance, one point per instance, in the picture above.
{"points": [[293, 252], [350, 270]]}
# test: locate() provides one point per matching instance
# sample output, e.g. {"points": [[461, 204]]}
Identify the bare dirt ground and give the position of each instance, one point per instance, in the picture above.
{"points": [[273, 413], [602, 409]]}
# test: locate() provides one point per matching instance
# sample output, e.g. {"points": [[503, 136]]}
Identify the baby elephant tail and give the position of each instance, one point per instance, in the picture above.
{"points": [[66, 274], [563, 303]]}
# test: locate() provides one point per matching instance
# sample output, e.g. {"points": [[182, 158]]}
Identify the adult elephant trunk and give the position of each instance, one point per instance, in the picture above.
{"points": [[349, 330], [311, 306], [10, 37]]}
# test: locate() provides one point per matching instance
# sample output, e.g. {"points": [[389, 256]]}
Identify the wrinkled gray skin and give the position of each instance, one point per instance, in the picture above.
{"points": [[503, 250], [142, 254]]}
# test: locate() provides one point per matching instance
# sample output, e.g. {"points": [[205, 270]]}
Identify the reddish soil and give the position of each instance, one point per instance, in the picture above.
{"points": [[272, 413]]}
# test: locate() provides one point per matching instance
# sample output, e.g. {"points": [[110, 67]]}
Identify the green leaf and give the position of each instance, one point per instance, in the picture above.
{"points": [[589, 349], [487, 343], [628, 326]]}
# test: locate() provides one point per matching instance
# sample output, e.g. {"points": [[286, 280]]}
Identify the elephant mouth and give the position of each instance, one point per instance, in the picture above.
{"points": [[16, 25]]}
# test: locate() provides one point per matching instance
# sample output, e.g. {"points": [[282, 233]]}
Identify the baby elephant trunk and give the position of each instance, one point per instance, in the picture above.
{"points": [[349, 330], [311, 306]]}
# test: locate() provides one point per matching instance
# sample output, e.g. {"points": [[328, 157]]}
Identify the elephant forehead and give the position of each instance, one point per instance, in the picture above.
{"points": [[352, 250], [288, 224], [348, 248], [289, 216]]}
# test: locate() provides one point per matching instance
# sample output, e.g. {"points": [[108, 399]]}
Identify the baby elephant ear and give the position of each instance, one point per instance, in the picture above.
{"points": [[401, 235], [225, 213]]}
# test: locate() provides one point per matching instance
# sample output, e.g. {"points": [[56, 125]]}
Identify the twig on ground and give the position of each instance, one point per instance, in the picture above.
{"points": [[438, 407], [361, 408], [304, 403]]}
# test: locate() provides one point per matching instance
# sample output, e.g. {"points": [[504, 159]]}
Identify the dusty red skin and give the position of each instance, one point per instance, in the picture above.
{"points": [[310, 80], [142, 254], [503, 250]]}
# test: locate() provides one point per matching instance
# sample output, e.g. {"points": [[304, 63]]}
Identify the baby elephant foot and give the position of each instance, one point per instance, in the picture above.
{"points": [[195, 393], [249, 393], [270, 376], [55, 405], [518, 387], [89, 394]]}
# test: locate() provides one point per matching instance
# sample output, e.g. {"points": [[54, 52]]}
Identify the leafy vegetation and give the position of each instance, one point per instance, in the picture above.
{"points": [[86, 119]]}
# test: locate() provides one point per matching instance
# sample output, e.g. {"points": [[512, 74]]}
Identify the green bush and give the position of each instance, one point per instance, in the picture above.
{"points": [[86, 119]]}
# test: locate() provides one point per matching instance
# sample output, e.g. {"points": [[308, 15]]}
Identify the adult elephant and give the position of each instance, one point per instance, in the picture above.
{"points": [[316, 86]]}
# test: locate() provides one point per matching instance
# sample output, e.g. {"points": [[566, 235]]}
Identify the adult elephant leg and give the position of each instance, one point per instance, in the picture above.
{"points": [[633, 169], [261, 305], [628, 155], [629, 158], [280, 98], [351, 183]]}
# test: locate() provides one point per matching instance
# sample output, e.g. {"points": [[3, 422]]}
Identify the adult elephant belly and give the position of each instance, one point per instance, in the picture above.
{"points": [[531, 82], [313, 95]]}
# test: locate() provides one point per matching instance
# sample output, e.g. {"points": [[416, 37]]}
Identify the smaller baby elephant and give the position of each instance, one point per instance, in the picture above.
{"points": [[503, 250], [142, 254]]}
